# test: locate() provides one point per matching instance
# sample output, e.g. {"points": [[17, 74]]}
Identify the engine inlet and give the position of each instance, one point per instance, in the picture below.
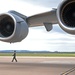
{"points": [[6, 26], [68, 14]]}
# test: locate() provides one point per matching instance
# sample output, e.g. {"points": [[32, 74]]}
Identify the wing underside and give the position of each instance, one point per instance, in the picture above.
{"points": [[43, 18]]}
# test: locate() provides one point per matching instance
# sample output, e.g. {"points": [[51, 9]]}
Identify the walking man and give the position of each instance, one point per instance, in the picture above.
{"points": [[14, 57]]}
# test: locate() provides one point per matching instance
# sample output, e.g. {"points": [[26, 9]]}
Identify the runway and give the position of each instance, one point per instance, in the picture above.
{"points": [[37, 66]]}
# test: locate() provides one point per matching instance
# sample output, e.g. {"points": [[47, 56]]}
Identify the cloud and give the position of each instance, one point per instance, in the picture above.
{"points": [[45, 3]]}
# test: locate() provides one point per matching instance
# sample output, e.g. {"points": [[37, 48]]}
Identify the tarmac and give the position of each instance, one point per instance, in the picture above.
{"points": [[37, 66]]}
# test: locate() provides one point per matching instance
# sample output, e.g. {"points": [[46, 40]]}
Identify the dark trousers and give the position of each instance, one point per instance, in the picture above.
{"points": [[14, 58]]}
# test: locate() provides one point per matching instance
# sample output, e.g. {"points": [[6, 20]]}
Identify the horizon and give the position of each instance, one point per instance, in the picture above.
{"points": [[34, 51]]}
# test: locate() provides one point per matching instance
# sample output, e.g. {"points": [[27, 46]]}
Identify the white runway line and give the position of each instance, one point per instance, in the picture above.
{"points": [[58, 62]]}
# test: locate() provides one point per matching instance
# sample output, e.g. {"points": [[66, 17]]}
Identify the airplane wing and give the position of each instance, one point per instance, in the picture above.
{"points": [[14, 27], [40, 19], [44, 19]]}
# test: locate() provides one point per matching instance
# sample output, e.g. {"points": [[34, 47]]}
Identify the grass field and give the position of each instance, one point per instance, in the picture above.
{"points": [[42, 54]]}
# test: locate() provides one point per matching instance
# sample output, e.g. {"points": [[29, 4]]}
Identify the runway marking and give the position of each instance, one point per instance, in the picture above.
{"points": [[69, 71], [34, 57], [58, 62]]}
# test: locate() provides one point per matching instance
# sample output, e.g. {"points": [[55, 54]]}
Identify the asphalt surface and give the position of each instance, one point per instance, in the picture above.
{"points": [[37, 66]]}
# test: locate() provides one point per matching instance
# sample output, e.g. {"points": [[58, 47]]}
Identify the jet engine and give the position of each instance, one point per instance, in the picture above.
{"points": [[12, 28], [66, 16]]}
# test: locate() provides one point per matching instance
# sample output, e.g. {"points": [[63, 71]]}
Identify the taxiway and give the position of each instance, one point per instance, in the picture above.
{"points": [[37, 66]]}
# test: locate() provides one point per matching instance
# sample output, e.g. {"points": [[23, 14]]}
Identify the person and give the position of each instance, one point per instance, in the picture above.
{"points": [[14, 57]]}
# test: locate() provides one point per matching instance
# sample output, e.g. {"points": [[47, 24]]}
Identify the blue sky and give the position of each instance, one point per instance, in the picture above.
{"points": [[38, 38]]}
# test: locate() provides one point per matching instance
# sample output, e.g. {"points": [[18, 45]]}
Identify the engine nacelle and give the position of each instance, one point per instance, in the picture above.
{"points": [[12, 28], [66, 16]]}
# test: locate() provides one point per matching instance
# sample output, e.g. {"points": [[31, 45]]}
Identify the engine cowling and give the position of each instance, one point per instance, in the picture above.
{"points": [[12, 28], [66, 16]]}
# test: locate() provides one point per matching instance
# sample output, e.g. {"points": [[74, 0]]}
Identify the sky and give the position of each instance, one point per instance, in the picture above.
{"points": [[38, 38]]}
